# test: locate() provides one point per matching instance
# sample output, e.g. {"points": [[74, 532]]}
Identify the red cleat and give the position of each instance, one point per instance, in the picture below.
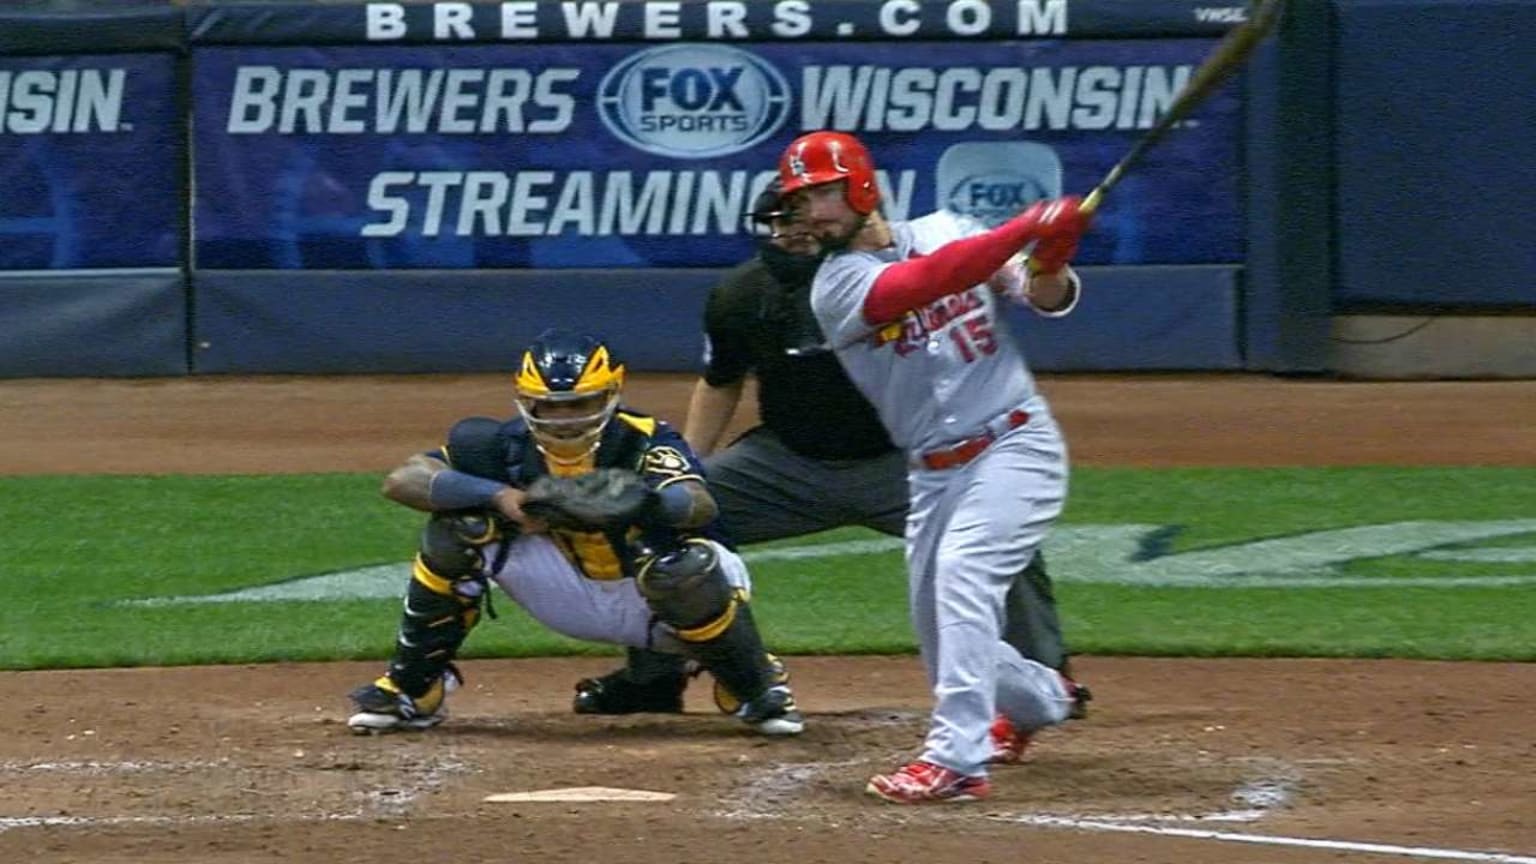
{"points": [[1008, 743], [924, 782]]}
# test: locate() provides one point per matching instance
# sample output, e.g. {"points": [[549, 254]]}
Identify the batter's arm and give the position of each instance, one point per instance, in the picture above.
{"points": [[710, 410], [1054, 294], [1051, 294], [972, 260]]}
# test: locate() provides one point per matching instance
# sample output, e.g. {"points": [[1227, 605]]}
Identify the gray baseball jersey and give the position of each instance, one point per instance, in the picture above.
{"points": [[942, 375]]}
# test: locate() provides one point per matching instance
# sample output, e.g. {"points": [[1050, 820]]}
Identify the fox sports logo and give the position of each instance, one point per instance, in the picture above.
{"points": [[693, 101], [994, 198]]}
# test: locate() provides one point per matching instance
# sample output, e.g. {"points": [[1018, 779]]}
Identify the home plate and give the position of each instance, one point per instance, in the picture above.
{"points": [[582, 793]]}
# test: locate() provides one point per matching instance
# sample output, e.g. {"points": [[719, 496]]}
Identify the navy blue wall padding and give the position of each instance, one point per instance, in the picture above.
{"points": [[1141, 318], [1436, 125], [99, 27], [438, 321], [441, 321], [1287, 280], [101, 324]]}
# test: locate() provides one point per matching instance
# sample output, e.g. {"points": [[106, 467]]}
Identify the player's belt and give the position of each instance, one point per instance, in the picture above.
{"points": [[953, 457]]}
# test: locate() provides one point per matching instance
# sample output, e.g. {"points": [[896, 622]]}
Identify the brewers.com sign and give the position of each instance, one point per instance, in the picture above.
{"points": [[577, 20]]}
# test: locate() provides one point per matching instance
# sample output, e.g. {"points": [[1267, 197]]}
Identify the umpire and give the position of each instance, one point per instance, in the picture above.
{"points": [[819, 460]]}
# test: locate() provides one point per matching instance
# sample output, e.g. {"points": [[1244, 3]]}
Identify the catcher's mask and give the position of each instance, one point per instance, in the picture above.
{"points": [[567, 390], [767, 208]]}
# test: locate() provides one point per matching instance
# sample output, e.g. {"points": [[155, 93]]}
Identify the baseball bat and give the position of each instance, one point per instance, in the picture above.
{"points": [[1227, 57]]}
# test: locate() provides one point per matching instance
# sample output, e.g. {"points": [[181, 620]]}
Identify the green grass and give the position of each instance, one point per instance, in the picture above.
{"points": [[73, 548]]}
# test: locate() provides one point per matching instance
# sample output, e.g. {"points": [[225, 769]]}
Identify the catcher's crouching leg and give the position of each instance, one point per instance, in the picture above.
{"points": [[687, 589], [442, 604]]}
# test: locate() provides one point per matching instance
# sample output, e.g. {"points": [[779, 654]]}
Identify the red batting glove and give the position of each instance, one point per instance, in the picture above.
{"points": [[1060, 225], [1049, 256]]}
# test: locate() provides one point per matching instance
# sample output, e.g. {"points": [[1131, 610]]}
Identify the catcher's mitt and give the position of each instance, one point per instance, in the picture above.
{"points": [[600, 499]]}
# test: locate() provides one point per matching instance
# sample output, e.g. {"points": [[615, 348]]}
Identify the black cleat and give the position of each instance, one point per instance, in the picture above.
{"points": [[618, 693], [1081, 696]]}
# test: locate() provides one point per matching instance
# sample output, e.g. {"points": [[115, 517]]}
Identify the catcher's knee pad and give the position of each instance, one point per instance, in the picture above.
{"points": [[452, 544], [687, 589]]}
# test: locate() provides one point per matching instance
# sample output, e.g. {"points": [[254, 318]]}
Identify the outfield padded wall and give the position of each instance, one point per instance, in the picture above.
{"points": [[461, 321], [1436, 180], [77, 323]]}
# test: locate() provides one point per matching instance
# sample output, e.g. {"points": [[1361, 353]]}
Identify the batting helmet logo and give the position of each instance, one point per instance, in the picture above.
{"points": [[796, 165]]}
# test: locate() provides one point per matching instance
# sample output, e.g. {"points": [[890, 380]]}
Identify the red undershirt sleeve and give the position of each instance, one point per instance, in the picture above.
{"points": [[950, 269]]}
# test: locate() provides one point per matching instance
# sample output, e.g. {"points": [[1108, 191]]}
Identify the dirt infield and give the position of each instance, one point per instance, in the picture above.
{"points": [[1180, 761]]}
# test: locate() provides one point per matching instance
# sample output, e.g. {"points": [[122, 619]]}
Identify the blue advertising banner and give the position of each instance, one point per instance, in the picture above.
{"points": [[528, 21], [624, 155], [90, 162]]}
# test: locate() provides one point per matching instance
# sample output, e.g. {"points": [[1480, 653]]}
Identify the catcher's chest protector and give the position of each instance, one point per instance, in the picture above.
{"points": [[600, 555]]}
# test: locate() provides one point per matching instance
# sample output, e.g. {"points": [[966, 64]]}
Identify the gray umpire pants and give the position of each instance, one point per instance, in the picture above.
{"points": [[768, 492]]}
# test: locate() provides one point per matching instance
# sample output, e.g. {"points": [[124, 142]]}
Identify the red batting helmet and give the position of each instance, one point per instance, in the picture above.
{"points": [[817, 158]]}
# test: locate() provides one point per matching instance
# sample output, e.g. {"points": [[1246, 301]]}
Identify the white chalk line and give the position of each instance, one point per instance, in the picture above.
{"points": [[1263, 794], [386, 801], [760, 795], [783, 779], [1102, 824], [92, 767], [8, 823]]}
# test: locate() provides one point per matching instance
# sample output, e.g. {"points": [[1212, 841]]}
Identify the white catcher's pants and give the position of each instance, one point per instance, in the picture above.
{"points": [[542, 581]]}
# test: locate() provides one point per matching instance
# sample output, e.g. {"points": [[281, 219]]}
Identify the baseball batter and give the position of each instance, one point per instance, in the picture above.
{"points": [[912, 310]]}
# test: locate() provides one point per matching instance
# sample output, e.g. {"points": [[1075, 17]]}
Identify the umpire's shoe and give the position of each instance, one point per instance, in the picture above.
{"points": [[650, 683], [383, 707], [1081, 696], [1080, 693], [616, 693]]}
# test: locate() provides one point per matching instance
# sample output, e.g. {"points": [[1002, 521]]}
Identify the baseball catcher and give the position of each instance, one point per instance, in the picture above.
{"points": [[591, 516]]}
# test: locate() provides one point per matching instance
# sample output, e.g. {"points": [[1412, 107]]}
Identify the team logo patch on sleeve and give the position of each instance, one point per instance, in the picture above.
{"points": [[668, 462]]}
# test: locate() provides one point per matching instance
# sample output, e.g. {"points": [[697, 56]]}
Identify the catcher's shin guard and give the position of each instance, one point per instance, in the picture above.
{"points": [[442, 601], [686, 589]]}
